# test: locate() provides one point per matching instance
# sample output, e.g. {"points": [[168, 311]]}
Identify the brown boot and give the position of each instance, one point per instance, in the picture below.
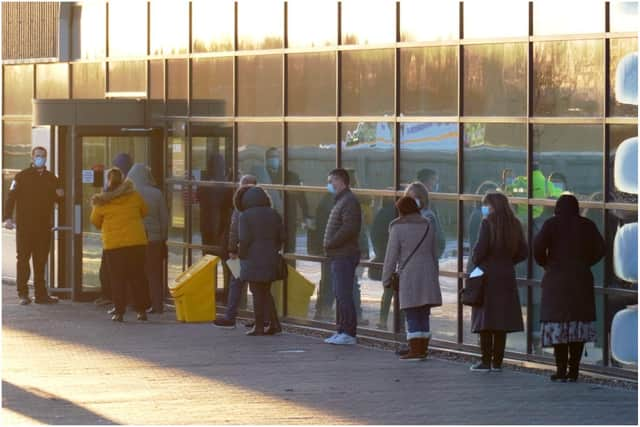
{"points": [[416, 352]]}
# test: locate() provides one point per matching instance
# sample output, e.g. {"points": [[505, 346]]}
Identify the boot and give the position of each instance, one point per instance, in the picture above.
{"points": [[426, 345], [575, 354], [560, 352], [414, 350]]}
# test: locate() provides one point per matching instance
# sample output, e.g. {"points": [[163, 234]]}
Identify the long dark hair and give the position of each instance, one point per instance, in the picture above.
{"points": [[506, 230]]}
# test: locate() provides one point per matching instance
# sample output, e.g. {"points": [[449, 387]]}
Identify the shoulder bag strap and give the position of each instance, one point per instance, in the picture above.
{"points": [[416, 248]]}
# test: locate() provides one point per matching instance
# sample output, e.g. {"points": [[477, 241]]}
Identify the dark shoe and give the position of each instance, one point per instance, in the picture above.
{"points": [[224, 323], [142, 315], [255, 332], [47, 300], [273, 330], [117, 317], [25, 300], [558, 378], [416, 352], [572, 377], [111, 310], [480, 367]]}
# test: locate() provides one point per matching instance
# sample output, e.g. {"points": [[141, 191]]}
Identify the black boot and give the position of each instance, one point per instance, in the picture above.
{"points": [[274, 323], [575, 354], [560, 351], [497, 352], [486, 347]]}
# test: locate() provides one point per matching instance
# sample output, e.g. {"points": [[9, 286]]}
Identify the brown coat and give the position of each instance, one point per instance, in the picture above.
{"points": [[419, 284]]}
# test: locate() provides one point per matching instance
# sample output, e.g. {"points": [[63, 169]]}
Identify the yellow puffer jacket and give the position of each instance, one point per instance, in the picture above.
{"points": [[119, 214]]}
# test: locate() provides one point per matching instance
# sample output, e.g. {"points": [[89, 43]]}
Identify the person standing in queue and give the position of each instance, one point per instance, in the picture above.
{"points": [[118, 212], [32, 194]]}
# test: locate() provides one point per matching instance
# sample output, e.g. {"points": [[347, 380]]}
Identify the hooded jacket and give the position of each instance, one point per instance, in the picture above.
{"points": [[156, 223], [119, 215], [567, 247]]}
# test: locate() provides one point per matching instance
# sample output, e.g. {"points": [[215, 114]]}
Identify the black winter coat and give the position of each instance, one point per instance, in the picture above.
{"points": [[501, 309], [261, 235], [567, 246]]}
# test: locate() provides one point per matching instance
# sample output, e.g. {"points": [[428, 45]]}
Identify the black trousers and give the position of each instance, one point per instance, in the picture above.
{"points": [[105, 285], [492, 344], [568, 355], [264, 307], [126, 269], [32, 244]]}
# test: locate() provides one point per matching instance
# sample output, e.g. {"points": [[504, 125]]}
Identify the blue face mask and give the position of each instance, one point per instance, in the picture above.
{"points": [[273, 163], [485, 211], [39, 161], [331, 188]]}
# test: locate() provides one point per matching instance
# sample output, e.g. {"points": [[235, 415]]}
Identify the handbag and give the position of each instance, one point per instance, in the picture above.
{"points": [[394, 281], [473, 292]]}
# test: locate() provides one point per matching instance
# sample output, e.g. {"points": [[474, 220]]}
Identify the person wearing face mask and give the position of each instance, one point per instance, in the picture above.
{"points": [[32, 194]]}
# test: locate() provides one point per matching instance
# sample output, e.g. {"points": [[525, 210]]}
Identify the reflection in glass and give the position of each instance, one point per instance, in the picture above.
{"points": [[212, 151], [260, 85], [575, 152], [429, 148], [18, 89], [367, 82], [553, 17], [622, 248], [212, 25], [256, 142], [212, 86], [88, 80], [428, 81], [178, 196], [495, 156], [260, 24], [169, 22], [568, 78], [300, 219], [211, 217], [623, 16], [177, 86], [311, 84], [16, 144], [132, 15], [623, 74], [176, 261], [52, 81], [156, 79], [495, 80], [496, 18], [312, 24], [127, 76], [311, 153], [176, 156], [372, 24], [623, 183], [427, 21], [367, 154], [89, 30]]}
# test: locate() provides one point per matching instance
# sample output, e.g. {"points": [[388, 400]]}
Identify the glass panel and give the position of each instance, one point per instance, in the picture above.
{"points": [[568, 78], [567, 158], [156, 79], [320, 305], [260, 85], [176, 148], [132, 15], [211, 209], [367, 82], [496, 18], [212, 86], [311, 153], [212, 151], [372, 24], [495, 80], [426, 21], [127, 76], [428, 81], [311, 84], [446, 215], [552, 17], [52, 81], [18, 89], [173, 15], [212, 25], [177, 86], [91, 260], [88, 80], [615, 304], [16, 145], [307, 216], [623, 77], [176, 262], [623, 186], [495, 156], [260, 24], [429, 153], [255, 142], [367, 153], [178, 195], [623, 16], [312, 24], [444, 319], [89, 30], [622, 249]]}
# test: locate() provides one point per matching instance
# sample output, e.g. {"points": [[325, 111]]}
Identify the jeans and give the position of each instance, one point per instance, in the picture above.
{"points": [[236, 289], [124, 271], [418, 322], [326, 295], [35, 245], [343, 271]]}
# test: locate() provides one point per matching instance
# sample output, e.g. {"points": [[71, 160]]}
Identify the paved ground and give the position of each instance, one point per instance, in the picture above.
{"points": [[68, 364]]}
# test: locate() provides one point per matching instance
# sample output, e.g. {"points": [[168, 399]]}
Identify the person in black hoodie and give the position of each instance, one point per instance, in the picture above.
{"points": [[567, 247]]}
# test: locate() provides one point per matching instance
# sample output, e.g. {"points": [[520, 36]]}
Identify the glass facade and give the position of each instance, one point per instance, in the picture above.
{"points": [[476, 97]]}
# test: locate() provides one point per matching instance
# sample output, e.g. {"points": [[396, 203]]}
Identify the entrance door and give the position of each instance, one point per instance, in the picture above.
{"points": [[98, 152]]}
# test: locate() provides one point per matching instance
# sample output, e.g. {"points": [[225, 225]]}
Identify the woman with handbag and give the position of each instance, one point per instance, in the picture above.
{"points": [[500, 246], [260, 238], [411, 266]]}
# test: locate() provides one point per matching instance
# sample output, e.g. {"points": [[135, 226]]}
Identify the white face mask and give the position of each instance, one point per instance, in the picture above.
{"points": [[417, 202]]}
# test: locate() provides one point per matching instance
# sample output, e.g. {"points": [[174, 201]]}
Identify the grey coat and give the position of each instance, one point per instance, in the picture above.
{"points": [[419, 284], [341, 237], [156, 223]]}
